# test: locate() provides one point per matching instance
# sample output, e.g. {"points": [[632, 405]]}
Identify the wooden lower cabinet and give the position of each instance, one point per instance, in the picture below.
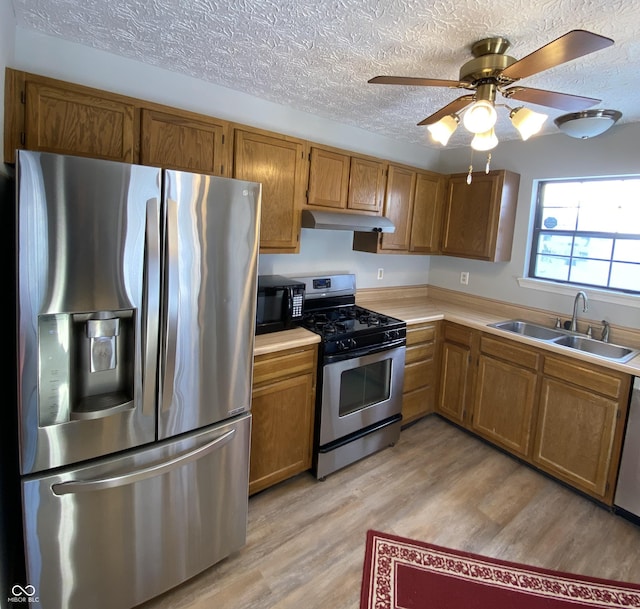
{"points": [[505, 394], [580, 425], [420, 371], [282, 406], [564, 416], [456, 373]]}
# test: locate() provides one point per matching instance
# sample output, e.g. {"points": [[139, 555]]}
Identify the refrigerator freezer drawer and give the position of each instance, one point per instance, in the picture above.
{"points": [[125, 529]]}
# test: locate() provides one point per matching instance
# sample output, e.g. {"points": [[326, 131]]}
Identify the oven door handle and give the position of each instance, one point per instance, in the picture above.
{"points": [[341, 357]]}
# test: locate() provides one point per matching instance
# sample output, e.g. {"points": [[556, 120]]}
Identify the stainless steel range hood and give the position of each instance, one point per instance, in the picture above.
{"points": [[354, 222]]}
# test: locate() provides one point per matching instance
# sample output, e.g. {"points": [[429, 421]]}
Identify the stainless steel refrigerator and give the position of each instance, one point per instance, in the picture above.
{"points": [[136, 293]]}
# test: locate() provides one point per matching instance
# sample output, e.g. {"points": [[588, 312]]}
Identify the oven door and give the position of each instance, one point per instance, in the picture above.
{"points": [[359, 390]]}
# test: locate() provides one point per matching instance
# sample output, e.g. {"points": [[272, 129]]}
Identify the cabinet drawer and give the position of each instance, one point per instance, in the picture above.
{"points": [[606, 382], [458, 334], [510, 351], [420, 374], [419, 353], [418, 403], [420, 334], [285, 363]]}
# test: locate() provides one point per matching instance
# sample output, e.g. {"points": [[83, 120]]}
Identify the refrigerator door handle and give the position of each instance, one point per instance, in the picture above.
{"points": [[80, 486], [171, 299], [151, 306]]}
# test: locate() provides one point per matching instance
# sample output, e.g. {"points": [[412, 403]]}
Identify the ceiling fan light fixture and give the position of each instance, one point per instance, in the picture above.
{"points": [[588, 123], [480, 117], [444, 129], [485, 141], [526, 121]]}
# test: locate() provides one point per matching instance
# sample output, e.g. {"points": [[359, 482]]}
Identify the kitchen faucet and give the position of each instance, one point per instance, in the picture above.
{"points": [[574, 319]]}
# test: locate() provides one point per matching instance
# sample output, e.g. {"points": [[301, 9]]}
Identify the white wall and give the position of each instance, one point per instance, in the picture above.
{"points": [[616, 152], [7, 37], [320, 250]]}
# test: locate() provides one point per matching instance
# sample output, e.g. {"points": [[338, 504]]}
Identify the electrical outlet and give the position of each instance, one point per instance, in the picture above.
{"points": [[464, 278], [380, 273]]}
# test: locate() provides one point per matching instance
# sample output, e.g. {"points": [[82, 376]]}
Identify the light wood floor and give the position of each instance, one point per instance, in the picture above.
{"points": [[305, 545]]}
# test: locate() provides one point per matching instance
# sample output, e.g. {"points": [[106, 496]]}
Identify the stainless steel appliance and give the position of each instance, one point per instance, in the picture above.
{"points": [[136, 313], [360, 375], [627, 497], [279, 305]]}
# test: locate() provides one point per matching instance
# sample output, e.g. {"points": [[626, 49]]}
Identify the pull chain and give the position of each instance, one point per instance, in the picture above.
{"points": [[469, 176], [487, 167]]}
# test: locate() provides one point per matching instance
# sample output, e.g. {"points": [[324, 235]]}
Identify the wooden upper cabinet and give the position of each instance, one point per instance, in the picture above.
{"points": [[427, 213], [278, 163], [367, 182], [174, 139], [398, 207], [52, 116], [341, 181], [328, 178], [413, 202], [479, 217]]}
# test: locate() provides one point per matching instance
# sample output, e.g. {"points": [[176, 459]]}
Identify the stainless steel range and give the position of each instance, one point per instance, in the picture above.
{"points": [[360, 375]]}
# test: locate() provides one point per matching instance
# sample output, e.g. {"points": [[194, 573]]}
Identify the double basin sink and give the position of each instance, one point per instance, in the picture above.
{"points": [[611, 352]]}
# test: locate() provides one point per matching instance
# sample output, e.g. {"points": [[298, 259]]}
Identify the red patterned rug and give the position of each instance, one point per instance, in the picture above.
{"points": [[401, 573]]}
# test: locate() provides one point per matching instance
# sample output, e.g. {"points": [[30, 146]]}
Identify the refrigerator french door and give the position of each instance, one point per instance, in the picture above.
{"points": [[136, 311]]}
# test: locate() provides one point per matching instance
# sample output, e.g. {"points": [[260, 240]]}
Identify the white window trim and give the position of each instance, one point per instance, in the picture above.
{"points": [[627, 300]]}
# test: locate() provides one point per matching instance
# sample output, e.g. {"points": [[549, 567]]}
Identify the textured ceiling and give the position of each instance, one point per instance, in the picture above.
{"points": [[317, 55]]}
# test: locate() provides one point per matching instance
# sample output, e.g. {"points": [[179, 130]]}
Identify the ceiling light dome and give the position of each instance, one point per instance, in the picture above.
{"points": [[480, 117], [588, 123]]}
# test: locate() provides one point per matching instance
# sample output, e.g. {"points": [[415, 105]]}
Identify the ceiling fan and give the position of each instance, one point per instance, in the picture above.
{"points": [[491, 71]]}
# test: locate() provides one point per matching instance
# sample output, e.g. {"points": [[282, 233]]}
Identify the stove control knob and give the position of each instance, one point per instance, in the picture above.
{"points": [[341, 345], [352, 342]]}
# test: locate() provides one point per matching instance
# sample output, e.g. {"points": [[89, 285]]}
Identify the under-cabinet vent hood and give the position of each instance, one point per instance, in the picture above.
{"points": [[355, 222]]}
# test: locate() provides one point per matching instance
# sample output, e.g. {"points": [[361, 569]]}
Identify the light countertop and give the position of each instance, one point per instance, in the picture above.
{"points": [[423, 309]]}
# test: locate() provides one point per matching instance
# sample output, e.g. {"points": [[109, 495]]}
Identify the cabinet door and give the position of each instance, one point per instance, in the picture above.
{"points": [[454, 384], [575, 436], [504, 403], [328, 178], [469, 217], [281, 435], [367, 181], [184, 141], [427, 213], [479, 217], [401, 185], [77, 122], [278, 164]]}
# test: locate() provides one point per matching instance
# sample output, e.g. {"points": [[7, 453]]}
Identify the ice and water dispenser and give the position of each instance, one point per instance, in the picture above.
{"points": [[86, 365]]}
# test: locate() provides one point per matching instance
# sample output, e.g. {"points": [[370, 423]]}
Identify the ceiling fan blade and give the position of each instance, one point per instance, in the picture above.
{"points": [[416, 82], [551, 99], [572, 45], [452, 108]]}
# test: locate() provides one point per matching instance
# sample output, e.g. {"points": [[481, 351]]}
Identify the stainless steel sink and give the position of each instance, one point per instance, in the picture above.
{"points": [[616, 353], [528, 329], [596, 347]]}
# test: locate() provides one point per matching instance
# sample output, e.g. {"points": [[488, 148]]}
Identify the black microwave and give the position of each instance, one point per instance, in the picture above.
{"points": [[280, 301]]}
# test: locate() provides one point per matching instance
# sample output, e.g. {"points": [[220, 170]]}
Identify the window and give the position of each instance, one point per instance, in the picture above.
{"points": [[587, 232]]}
